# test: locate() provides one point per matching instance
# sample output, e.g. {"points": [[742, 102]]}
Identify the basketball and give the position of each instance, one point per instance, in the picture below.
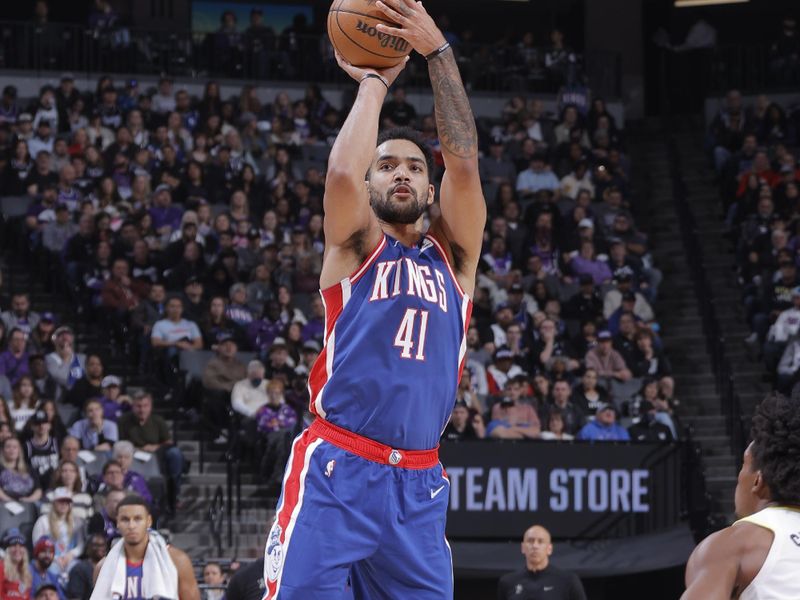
{"points": [[352, 31]]}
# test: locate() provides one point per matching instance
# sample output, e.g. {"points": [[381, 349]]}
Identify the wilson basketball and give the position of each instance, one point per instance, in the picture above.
{"points": [[351, 28]]}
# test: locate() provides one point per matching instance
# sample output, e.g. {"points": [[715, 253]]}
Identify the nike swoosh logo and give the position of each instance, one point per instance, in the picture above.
{"points": [[435, 493], [547, 589]]}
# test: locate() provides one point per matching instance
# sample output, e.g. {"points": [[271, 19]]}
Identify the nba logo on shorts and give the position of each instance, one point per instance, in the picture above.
{"points": [[395, 457], [329, 468], [274, 552]]}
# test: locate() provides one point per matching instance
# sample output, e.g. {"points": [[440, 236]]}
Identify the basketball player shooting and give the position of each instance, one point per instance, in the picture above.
{"points": [[759, 555], [364, 496]]}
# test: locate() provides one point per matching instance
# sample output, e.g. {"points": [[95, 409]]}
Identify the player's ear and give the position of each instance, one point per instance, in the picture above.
{"points": [[149, 521], [760, 488], [431, 194]]}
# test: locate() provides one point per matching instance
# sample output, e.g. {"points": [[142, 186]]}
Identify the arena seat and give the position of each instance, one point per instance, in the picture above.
{"points": [[14, 206], [23, 521]]}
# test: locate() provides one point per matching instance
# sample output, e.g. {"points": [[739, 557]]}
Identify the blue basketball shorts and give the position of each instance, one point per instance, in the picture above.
{"points": [[358, 519]]}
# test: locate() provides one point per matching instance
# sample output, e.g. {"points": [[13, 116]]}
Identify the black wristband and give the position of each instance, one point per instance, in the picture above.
{"points": [[375, 76], [438, 51]]}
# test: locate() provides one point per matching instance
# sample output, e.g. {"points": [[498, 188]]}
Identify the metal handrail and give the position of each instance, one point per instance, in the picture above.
{"points": [[216, 518]]}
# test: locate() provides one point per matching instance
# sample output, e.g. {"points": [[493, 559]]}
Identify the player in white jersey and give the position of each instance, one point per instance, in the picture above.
{"points": [[758, 557]]}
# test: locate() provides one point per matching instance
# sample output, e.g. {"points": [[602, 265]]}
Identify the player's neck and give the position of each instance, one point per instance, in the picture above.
{"points": [[406, 234], [135, 553]]}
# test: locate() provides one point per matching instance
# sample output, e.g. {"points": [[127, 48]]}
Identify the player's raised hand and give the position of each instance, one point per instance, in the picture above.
{"points": [[414, 24], [387, 75]]}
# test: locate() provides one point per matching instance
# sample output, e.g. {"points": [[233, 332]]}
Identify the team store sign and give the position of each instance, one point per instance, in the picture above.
{"points": [[577, 490]]}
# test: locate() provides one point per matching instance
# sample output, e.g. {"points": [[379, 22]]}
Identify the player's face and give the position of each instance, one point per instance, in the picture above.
{"points": [[746, 498], [133, 523], [398, 182]]}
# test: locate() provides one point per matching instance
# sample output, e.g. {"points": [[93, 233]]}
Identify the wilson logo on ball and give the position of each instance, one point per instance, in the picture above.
{"points": [[387, 41]]}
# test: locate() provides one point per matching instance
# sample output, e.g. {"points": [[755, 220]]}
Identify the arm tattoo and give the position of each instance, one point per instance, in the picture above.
{"points": [[454, 117]]}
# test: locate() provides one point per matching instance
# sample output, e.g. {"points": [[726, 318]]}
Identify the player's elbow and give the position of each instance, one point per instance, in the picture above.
{"points": [[343, 175], [463, 168]]}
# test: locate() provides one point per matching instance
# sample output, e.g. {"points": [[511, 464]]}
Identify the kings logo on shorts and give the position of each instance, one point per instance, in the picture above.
{"points": [[274, 552]]}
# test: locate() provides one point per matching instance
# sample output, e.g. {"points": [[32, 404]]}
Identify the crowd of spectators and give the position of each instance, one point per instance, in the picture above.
{"points": [[754, 149], [258, 49], [191, 229]]}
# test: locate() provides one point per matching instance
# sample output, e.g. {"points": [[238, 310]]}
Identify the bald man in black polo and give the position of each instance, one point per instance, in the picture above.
{"points": [[539, 579]]}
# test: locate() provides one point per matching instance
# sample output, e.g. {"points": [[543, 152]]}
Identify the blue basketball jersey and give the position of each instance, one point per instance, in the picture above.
{"points": [[133, 581], [395, 342]]}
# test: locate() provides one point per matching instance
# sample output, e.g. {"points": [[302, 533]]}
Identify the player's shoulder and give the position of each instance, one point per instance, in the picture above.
{"points": [[178, 556], [733, 541]]}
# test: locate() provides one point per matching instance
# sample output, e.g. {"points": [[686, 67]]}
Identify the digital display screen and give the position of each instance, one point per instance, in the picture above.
{"points": [[206, 15]]}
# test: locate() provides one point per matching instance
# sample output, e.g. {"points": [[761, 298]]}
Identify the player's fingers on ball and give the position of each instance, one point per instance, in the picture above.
{"points": [[398, 31], [390, 11], [402, 7]]}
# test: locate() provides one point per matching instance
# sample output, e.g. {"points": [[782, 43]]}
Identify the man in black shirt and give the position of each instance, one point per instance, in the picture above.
{"points": [[397, 112], [462, 427], [539, 579], [247, 583]]}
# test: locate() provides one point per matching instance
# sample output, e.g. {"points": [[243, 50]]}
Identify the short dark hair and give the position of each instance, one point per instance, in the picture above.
{"points": [[134, 500], [109, 464], [413, 136], [776, 446]]}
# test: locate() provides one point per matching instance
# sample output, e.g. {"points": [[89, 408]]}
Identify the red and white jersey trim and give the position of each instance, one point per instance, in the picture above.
{"points": [[334, 299]]}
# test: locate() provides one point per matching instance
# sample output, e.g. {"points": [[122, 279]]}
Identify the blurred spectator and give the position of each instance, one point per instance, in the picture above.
{"points": [[571, 415], [605, 361], [114, 403], [41, 450], [131, 480], [68, 476], [214, 577], [17, 481], [64, 531], [65, 365], [88, 386], [604, 426], [95, 432], [20, 316], [174, 334], [501, 370], [149, 433], [463, 425], [555, 427], [80, 583], [219, 377], [513, 419], [784, 53], [538, 176], [104, 521], [648, 428], [276, 423], [24, 402], [15, 571], [398, 112], [250, 394]]}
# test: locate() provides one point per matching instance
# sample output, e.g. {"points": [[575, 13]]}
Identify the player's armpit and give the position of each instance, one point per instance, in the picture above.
{"points": [[713, 568]]}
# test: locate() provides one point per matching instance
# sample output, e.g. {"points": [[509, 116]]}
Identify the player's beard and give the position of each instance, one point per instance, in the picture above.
{"points": [[390, 212]]}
